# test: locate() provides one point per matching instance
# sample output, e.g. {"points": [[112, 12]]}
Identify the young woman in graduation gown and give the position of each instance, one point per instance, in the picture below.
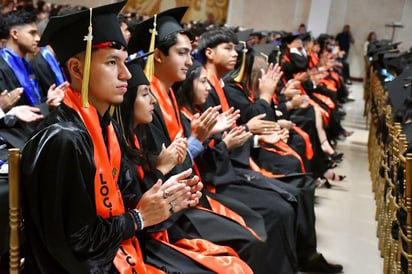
{"points": [[184, 255]]}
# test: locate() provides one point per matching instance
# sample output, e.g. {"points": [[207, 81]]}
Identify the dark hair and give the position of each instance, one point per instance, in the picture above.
{"points": [[370, 36], [124, 115], [126, 111], [250, 57], [15, 18], [213, 38], [185, 92], [170, 40]]}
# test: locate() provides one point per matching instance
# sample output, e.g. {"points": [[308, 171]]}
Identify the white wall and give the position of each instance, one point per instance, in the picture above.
{"points": [[319, 16]]}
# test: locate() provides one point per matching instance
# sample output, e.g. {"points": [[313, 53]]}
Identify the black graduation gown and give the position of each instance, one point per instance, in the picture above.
{"points": [[272, 202], [18, 134], [237, 97], [278, 164], [67, 195], [302, 186], [196, 223], [9, 81], [44, 74], [58, 192]]}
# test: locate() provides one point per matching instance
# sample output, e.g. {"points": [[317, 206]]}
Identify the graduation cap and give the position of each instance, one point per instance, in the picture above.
{"points": [[266, 50], [290, 37], [400, 88], [395, 61], [154, 30], [66, 34], [138, 77], [77, 32], [165, 22], [244, 35], [260, 33]]}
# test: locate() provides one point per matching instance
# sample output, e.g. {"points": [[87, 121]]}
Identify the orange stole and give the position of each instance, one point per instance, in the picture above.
{"points": [[168, 106], [172, 108], [219, 90], [108, 198], [208, 254], [313, 60], [308, 143], [219, 259], [285, 149]]}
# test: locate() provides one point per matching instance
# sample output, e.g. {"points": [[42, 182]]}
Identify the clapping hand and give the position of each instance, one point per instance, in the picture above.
{"points": [[55, 94], [9, 99], [225, 120], [236, 137], [259, 126], [173, 155]]}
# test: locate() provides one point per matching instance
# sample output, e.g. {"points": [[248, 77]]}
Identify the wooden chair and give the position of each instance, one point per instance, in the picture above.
{"points": [[405, 237], [393, 197], [15, 210]]}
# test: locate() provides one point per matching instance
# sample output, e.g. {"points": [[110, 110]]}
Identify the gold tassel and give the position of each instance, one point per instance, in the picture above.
{"points": [[87, 61], [149, 67], [239, 76], [111, 110], [265, 56]]}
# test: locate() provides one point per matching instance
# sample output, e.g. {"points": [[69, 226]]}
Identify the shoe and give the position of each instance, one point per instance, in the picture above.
{"points": [[322, 181], [346, 100], [318, 264], [336, 157]]}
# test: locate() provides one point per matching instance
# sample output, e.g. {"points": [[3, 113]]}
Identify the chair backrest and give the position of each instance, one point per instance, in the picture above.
{"points": [[15, 212]]}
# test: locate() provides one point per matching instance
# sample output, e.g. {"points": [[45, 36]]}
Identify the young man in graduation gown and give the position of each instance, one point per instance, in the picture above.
{"points": [[245, 233], [22, 38], [20, 31], [80, 201], [217, 49]]}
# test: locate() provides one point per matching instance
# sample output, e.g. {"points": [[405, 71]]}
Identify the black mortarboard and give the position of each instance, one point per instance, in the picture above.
{"points": [[264, 48], [268, 51], [244, 35], [395, 61], [138, 76], [65, 34], [167, 22], [290, 37], [400, 88], [260, 33]]}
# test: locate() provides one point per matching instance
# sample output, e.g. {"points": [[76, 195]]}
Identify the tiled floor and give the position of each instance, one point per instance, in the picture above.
{"points": [[346, 227]]}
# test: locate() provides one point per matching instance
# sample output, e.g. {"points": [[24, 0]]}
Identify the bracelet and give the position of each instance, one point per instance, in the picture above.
{"points": [[138, 218]]}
